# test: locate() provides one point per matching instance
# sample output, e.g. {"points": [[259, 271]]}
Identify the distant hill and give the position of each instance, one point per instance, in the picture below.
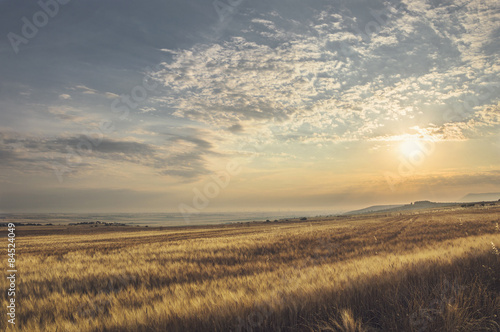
{"points": [[481, 197], [489, 198], [371, 209], [420, 205], [395, 208]]}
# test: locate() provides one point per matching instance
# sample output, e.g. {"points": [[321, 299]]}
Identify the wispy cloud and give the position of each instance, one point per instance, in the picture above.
{"points": [[415, 64], [180, 156]]}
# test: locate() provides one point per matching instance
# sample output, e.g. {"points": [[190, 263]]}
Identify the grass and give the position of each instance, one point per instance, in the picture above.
{"points": [[431, 271]]}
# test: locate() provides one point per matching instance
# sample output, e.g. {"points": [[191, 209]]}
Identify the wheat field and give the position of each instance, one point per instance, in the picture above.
{"points": [[426, 271]]}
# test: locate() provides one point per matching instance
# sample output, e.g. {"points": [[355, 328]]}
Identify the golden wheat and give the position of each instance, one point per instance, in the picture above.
{"points": [[364, 273]]}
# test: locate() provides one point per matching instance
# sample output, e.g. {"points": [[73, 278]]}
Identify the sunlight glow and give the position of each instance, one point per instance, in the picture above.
{"points": [[409, 146]]}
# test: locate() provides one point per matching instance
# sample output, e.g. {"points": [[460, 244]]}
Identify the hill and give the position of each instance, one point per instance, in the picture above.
{"points": [[419, 205], [372, 209], [481, 197]]}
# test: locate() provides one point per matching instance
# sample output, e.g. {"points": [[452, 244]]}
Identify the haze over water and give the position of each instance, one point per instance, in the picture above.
{"points": [[156, 219]]}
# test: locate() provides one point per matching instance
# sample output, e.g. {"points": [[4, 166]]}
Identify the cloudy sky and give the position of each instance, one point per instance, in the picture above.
{"points": [[246, 104]]}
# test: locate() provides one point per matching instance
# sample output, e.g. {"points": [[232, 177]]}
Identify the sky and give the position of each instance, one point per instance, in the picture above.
{"points": [[243, 105]]}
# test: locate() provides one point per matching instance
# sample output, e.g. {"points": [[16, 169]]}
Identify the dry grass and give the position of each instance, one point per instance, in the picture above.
{"points": [[433, 271]]}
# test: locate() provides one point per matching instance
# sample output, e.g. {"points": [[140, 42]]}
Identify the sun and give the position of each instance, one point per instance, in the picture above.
{"points": [[415, 148], [409, 147]]}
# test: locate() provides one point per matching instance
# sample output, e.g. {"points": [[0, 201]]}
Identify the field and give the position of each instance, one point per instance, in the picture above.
{"points": [[419, 271]]}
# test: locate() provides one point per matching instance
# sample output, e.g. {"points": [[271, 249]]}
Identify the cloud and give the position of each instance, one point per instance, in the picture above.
{"points": [[187, 158], [85, 90], [21, 155], [64, 96], [147, 109], [25, 148], [100, 148], [111, 95], [6, 156], [481, 124], [89, 91], [346, 72], [236, 128], [181, 156], [67, 113]]}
